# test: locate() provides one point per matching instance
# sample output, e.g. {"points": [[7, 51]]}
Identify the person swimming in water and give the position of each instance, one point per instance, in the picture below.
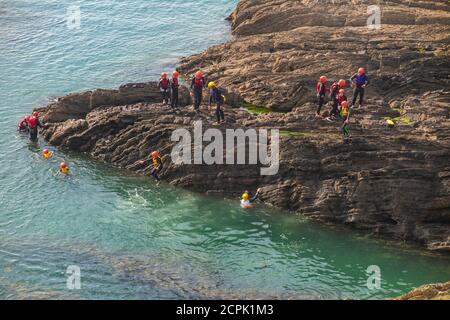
{"points": [[246, 201], [63, 168], [47, 154]]}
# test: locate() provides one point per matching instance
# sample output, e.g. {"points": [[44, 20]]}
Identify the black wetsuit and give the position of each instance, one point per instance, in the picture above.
{"points": [[174, 92], [321, 90], [197, 86], [164, 87], [253, 199], [361, 81], [157, 167], [34, 129], [334, 91], [216, 97]]}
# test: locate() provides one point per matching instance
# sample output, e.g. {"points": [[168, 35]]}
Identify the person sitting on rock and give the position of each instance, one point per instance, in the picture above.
{"points": [[217, 98], [321, 89], [157, 165], [345, 116], [360, 81], [197, 85], [246, 201], [23, 124], [334, 92], [174, 86], [164, 84]]}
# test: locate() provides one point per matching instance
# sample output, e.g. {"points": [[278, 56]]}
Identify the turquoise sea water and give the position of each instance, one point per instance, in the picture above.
{"points": [[129, 238]]}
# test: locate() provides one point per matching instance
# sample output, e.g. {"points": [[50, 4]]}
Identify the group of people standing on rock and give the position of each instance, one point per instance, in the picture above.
{"points": [[170, 87], [340, 108]]}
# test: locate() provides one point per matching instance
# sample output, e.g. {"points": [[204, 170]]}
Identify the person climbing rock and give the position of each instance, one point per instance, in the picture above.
{"points": [[216, 97], [246, 201], [334, 91], [360, 81], [23, 124], [345, 116], [157, 165], [321, 89], [33, 125], [197, 85], [164, 86], [174, 85]]}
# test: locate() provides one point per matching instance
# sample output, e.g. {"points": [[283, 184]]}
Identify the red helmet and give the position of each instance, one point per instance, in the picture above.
{"points": [[35, 113], [164, 75], [344, 104], [26, 118], [323, 79], [175, 74], [198, 74], [63, 165], [45, 151], [342, 83], [361, 71], [155, 154]]}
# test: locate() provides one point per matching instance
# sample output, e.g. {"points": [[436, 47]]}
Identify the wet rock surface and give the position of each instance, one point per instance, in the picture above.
{"points": [[438, 291], [390, 182]]}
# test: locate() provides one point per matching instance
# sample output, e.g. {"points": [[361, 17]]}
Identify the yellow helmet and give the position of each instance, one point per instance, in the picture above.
{"points": [[245, 196], [212, 84]]}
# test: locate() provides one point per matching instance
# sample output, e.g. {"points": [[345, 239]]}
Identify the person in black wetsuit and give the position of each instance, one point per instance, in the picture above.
{"points": [[217, 98], [174, 85], [157, 165], [33, 125], [334, 91], [321, 89], [197, 85], [164, 87], [360, 81]]}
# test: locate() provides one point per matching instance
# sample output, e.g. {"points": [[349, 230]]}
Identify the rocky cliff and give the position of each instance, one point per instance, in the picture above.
{"points": [[391, 182]]}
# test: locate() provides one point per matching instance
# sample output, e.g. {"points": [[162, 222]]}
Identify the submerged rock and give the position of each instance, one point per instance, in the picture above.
{"points": [[390, 181]]}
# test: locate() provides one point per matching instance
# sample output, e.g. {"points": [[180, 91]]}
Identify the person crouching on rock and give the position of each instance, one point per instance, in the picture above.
{"points": [[164, 84], [33, 125], [246, 201], [157, 165], [359, 80], [334, 92], [23, 124], [217, 98], [197, 85], [174, 85], [345, 115], [321, 89]]}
